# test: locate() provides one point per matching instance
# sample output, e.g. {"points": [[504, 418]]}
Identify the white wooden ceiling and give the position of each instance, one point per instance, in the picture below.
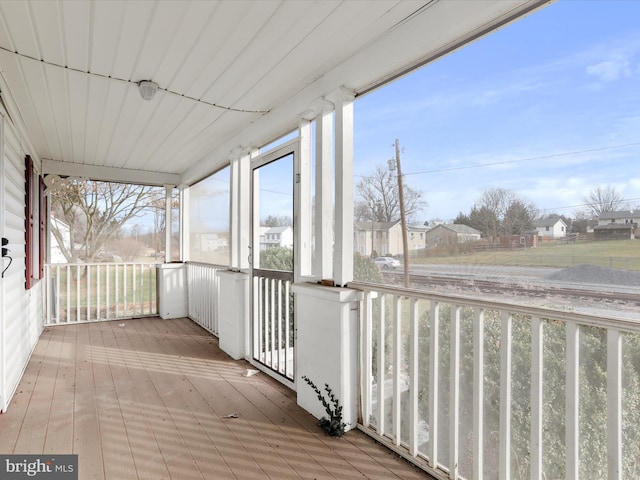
{"points": [[231, 73]]}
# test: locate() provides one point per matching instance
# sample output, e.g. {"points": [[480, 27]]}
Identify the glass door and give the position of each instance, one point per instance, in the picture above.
{"points": [[272, 263]]}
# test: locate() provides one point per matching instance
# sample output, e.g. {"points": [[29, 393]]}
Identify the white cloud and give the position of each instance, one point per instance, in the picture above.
{"points": [[611, 70]]}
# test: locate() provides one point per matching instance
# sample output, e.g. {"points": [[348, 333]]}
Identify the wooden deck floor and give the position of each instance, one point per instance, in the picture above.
{"points": [[147, 400]]}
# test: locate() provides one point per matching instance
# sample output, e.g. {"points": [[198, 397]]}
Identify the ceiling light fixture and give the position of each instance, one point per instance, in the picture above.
{"points": [[147, 89]]}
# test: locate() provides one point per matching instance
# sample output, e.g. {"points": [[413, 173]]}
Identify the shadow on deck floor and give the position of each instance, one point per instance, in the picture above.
{"points": [[147, 400]]}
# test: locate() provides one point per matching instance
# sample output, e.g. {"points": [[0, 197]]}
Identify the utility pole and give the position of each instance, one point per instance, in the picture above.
{"points": [[403, 220]]}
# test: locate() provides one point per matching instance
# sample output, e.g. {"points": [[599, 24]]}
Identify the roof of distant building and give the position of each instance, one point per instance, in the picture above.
{"points": [[620, 214], [548, 222], [278, 229], [459, 228], [376, 225]]}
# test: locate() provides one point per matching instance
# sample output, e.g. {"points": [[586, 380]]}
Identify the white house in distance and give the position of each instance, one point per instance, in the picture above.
{"points": [[272, 237], [551, 228]]}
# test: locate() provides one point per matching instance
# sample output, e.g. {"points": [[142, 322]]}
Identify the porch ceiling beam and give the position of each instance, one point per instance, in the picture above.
{"points": [[109, 174]]}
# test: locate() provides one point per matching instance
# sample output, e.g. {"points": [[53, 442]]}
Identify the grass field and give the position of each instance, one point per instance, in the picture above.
{"points": [[618, 254]]}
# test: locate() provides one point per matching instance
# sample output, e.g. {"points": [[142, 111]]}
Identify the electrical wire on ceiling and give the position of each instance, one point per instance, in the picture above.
{"points": [[131, 82]]}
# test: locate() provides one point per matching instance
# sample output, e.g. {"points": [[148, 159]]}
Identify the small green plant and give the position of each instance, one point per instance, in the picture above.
{"points": [[333, 426]]}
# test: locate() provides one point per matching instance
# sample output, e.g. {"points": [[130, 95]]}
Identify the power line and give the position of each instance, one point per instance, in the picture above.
{"points": [[528, 159], [582, 205]]}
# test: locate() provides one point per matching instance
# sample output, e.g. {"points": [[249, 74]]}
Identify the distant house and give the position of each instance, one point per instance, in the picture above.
{"points": [[618, 225], [551, 228], [417, 236], [213, 241], [385, 238], [620, 217], [272, 237], [451, 233]]}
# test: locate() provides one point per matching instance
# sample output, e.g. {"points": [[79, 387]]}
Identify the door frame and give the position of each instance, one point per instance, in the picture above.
{"points": [[290, 148]]}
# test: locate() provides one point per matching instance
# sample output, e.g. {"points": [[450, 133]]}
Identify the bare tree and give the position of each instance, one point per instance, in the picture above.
{"points": [[604, 199], [379, 199], [276, 221], [95, 212]]}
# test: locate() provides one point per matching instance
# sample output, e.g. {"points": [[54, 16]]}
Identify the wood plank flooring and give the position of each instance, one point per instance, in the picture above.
{"points": [[147, 399]]}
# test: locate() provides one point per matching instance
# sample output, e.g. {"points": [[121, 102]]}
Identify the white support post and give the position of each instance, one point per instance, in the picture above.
{"points": [[244, 206], [167, 222], [366, 329], [396, 365], [343, 259], [185, 249], [240, 179], [614, 404], [454, 386], [234, 213], [537, 351], [505, 397], [380, 367], [324, 200], [573, 400], [414, 375], [303, 207], [478, 394], [434, 364]]}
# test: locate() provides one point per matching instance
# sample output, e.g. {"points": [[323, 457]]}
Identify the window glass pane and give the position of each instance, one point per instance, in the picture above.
{"points": [[517, 163], [209, 202]]}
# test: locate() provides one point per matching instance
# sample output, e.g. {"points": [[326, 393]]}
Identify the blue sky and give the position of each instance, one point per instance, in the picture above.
{"points": [[548, 107]]}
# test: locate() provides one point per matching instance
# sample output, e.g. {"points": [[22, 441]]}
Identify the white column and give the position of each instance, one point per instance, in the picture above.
{"points": [[327, 347], [324, 197], [244, 207], [234, 213], [184, 224], [240, 179], [167, 222], [343, 257], [303, 201]]}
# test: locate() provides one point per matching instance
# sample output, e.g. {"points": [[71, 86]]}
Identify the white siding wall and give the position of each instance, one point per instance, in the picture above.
{"points": [[21, 311]]}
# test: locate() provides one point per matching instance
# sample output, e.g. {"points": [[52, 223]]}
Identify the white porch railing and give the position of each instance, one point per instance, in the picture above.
{"points": [[482, 390], [203, 294], [273, 321], [86, 292]]}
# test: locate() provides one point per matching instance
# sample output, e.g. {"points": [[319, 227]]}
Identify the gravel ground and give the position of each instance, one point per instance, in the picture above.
{"points": [[597, 275]]}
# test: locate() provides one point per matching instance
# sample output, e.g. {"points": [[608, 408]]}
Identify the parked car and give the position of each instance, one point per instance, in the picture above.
{"points": [[386, 263]]}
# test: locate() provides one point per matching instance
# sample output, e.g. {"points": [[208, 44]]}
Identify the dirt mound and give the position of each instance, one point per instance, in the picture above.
{"points": [[595, 274]]}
